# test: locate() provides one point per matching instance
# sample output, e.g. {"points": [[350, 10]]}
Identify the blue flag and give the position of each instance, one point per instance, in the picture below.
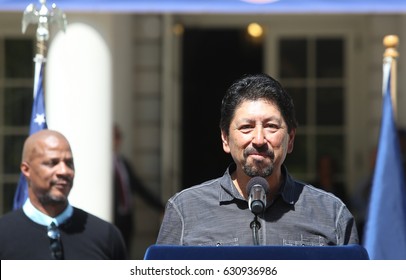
{"points": [[385, 231], [38, 122]]}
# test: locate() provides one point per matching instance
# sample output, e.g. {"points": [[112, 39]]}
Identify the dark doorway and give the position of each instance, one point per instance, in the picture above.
{"points": [[212, 60]]}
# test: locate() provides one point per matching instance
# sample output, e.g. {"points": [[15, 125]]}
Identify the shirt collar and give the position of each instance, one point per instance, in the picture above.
{"points": [[228, 191], [40, 218], [290, 189]]}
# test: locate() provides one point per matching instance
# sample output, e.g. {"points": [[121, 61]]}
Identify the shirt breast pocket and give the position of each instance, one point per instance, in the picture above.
{"points": [[302, 240]]}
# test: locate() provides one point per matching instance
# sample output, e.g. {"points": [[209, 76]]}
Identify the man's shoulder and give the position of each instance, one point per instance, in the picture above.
{"points": [[11, 216], [198, 191], [296, 189], [316, 196], [15, 225], [81, 214], [90, 222], [207, 186]]}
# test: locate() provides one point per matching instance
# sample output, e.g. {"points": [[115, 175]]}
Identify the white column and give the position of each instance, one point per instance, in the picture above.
{"points": [[78, 104]]}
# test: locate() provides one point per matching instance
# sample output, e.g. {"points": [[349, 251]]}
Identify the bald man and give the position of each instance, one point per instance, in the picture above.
{"points": [[48, 226]]}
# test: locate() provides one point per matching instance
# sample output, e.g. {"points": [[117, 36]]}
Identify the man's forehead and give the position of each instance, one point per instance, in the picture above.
{"points": [[253, 106], [43, 149], [51, 145]]}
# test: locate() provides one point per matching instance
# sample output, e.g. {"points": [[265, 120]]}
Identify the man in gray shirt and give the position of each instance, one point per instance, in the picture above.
{"points": [[258, 127]]}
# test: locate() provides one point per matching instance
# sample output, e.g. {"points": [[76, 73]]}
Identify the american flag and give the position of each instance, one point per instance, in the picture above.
{"points": [[38, 122]]}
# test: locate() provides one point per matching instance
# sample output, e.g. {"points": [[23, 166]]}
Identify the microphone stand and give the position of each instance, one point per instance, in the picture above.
{"points": [[255, 226]]}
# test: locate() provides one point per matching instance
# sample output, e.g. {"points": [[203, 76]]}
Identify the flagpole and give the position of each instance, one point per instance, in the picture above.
{"points": [[385, 228], [390, 57], [43, 17]]}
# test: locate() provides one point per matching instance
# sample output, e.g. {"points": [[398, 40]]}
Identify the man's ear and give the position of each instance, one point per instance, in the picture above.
{"points": [[25, 169], [224, 140], [291, 142]]}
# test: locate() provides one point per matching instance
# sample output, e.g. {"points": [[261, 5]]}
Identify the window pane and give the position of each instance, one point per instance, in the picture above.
{"points": [[299, 96], [293, 58], [328, 178], [330, 106], [13, 146], [19, 54], [329, 58], [9, 191], [17, 106], [296, 161]]}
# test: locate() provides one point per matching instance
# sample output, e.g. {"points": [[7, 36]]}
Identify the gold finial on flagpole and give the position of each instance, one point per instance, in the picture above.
{"points": [[390, 55], [391, 42], [43, 17]]}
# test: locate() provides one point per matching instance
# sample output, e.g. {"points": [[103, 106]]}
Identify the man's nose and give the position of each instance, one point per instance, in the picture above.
{"points": [[259, 137], [63, 168]]}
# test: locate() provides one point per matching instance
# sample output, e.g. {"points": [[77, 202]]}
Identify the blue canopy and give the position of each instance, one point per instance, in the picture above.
{"points": [[219, 6]]}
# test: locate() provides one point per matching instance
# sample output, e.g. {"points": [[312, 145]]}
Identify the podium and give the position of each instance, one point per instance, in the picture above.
{"points": [[174, 252]]}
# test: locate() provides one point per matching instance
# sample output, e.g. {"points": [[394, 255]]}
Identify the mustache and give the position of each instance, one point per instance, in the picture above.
{"points": [[62, 180], [264, 151]]}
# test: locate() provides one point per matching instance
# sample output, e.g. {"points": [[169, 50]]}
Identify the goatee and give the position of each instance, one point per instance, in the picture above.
{"points": [[253, 171]]}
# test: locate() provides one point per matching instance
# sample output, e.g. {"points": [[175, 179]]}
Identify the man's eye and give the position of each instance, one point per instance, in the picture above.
{"points": [[70, 164], [245, 128], [272, 126], [50, 163]]}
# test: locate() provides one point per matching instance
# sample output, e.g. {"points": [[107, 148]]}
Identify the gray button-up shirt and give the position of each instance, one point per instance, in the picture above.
{"points": [[215, 213]]}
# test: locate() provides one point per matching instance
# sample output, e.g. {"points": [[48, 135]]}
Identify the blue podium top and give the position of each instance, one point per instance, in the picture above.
{"points": [[172, 252]]}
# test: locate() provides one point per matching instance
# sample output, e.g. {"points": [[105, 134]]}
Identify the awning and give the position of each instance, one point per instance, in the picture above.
{"points": [[219, 6]]}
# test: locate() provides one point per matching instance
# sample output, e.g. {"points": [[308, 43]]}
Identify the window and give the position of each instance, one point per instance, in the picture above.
{"points": [[16, 93], [205, 79], [312, 71]]}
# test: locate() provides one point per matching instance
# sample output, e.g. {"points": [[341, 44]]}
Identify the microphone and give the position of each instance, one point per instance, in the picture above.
{"points": [[257, 189]]}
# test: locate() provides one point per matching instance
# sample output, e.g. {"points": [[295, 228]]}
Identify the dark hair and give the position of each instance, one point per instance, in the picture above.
{"points": [[254, 87]]}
